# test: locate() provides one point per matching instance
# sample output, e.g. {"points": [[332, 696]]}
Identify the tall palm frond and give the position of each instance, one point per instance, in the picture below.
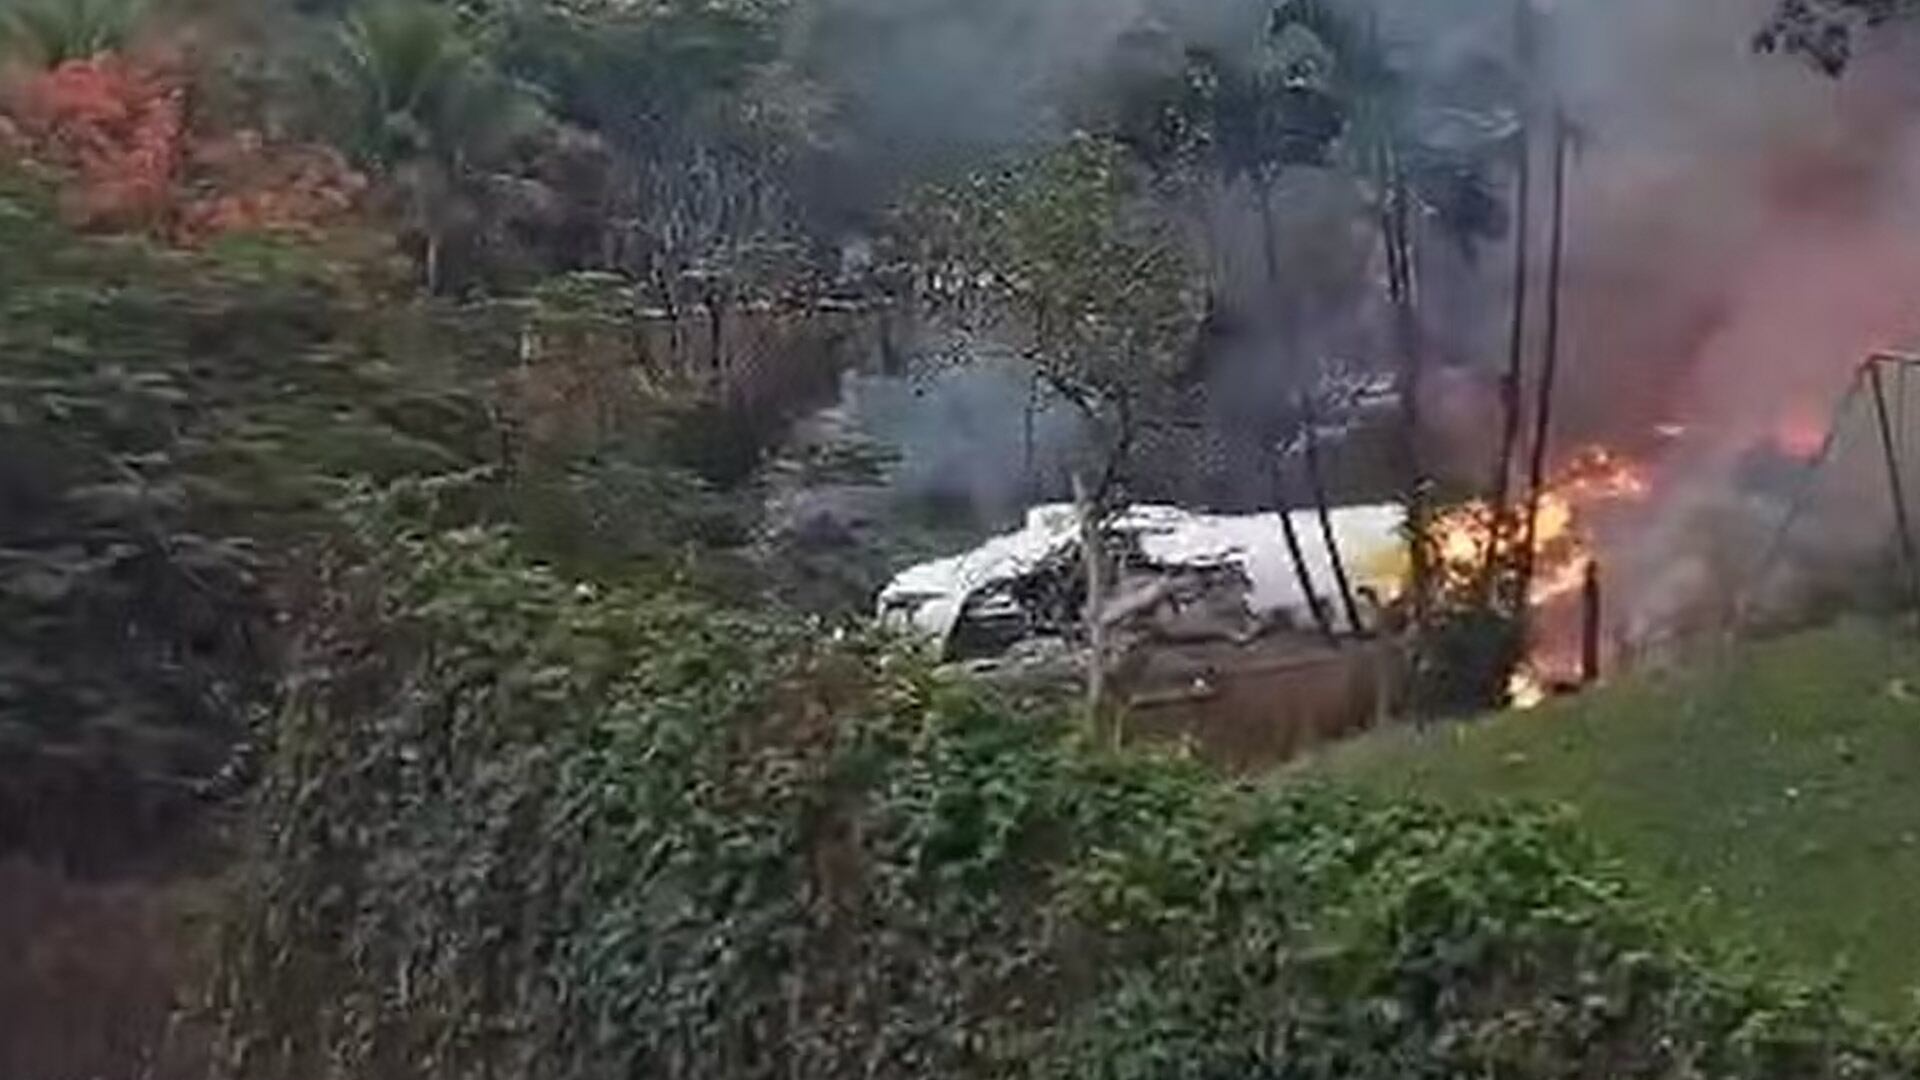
{"points": [[51, 32], [423, 86], [402, 61]]}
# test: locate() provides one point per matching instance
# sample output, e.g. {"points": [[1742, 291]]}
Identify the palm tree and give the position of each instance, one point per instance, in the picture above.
{"points": [[49, 33], [434, 116]]}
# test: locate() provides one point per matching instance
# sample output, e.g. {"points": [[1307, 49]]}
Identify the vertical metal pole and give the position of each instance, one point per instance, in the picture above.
{"points": [[1900, 395], [1895, 486]]}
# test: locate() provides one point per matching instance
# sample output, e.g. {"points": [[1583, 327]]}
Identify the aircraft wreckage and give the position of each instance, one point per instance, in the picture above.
{"points": [[1179, 576]]}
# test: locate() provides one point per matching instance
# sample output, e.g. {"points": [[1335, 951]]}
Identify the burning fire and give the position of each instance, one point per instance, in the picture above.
{"points": [[1525, 690], [1597, 473], [1562, 547], [1562, 543]]}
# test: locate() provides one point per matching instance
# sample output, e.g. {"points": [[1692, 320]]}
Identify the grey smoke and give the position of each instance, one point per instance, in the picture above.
{"points": [[1743, 238], [972, 436], [1742, 229]]}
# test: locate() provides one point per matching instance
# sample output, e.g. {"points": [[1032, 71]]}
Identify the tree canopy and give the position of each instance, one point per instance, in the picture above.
{"points": [[1825, 32]]}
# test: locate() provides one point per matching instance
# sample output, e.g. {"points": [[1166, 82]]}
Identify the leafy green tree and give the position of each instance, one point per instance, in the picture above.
{"points": [[1060, 258], [172, 425]]}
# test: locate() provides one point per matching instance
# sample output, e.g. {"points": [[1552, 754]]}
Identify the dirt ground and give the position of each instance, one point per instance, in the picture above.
{"points": [[95, 975], [1250, 707]]}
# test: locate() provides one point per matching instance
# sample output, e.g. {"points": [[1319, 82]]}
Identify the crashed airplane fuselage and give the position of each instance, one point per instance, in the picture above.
{"points": [[1207, 575]]}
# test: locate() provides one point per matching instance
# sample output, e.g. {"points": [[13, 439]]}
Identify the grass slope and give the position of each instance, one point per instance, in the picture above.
{"points": [[1776, 795]]}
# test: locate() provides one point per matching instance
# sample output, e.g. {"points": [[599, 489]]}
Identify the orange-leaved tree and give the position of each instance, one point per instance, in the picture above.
{"points": [[116, 126], [117, 129]]}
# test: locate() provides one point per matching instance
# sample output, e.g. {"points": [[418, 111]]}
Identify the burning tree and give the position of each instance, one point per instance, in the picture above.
{"points": [[1491, 644], [1060, 258]]}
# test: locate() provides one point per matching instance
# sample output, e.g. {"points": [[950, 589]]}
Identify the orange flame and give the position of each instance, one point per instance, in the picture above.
{"points": [[1562, 543], [1562, 546], [1525, 690]]}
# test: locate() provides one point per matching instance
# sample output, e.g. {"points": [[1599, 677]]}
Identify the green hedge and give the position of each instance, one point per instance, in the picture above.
{"points": [[519, 826], [172, 425]]}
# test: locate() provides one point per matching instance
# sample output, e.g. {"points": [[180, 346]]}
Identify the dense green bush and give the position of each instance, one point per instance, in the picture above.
{"points": [[516, 825], [175, 428], [172, 427]]}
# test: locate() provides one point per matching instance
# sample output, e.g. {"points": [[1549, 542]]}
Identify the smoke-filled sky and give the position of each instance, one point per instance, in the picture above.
{"points": [[1737, 218], [1743, 229]]}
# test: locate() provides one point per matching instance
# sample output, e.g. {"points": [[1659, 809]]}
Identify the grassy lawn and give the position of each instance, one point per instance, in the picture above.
{"points": [[1775, 795]]}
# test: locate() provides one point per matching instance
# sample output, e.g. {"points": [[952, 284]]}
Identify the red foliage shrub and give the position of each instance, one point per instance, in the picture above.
{"points": [[241, 183], [118, 127]]}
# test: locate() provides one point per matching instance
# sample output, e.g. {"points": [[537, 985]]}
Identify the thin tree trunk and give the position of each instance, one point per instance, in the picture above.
{"points": [[1268, 242], [716, 336], [1119, 453], [1590, 624], [1094, 558], [1543, 410], [1301, 574], [1317, 482], [1511, 384], [1396, 227], [1027, 417], [432, 262]]}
